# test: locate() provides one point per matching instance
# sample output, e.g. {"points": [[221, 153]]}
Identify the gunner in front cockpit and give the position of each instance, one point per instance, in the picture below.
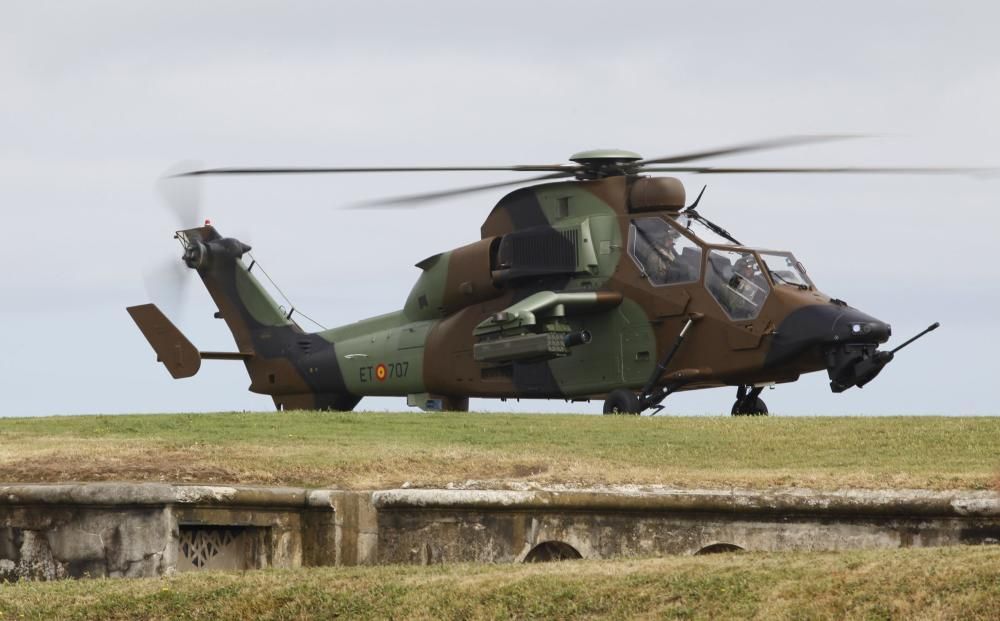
{"points": [[748, 280]]}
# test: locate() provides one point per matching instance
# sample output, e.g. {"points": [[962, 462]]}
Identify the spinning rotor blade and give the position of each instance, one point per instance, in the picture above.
{"points": [[377, 169], [414, 200], [851, 170], [181, 194], [760, 145], [167, 284], [594, 164]]}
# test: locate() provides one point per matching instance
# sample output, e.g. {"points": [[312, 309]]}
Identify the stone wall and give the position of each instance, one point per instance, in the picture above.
{"points": [[74, 542], [131, 530], [428, 526], [50, 532]]}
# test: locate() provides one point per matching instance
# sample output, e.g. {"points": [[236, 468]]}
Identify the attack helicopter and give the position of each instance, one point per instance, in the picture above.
{"points": [[598, 282]]}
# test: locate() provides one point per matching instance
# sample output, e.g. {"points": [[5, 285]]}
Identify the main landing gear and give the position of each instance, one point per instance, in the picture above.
{"points": [[748, 402], [621, 401]]}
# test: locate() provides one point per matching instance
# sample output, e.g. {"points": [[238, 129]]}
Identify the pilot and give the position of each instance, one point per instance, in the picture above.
{"points": [[752, 273], [660, 252], [746, 284], [684, 266]]}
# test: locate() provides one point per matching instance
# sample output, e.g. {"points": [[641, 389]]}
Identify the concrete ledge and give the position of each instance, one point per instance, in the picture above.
{"points": [[151, 494], [797, 501], [909, 503]]}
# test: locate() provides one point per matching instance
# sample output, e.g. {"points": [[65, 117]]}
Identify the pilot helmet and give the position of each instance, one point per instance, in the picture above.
{"points": [[745, 263]]}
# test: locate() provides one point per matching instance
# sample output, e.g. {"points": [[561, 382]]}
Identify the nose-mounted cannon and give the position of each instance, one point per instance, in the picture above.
{"points": [[858, 363], [846, 339]]}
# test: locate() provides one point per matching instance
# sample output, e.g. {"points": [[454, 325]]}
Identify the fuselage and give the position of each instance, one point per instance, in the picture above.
{"points": [[574, 290], [581, 237]]}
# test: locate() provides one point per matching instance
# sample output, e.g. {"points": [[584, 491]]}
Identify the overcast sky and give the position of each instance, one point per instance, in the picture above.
{"points": [[97, 99]]}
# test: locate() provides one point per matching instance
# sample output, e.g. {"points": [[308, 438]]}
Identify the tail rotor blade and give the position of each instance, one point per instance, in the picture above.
{"points": [[181, 193], [167, 284]]}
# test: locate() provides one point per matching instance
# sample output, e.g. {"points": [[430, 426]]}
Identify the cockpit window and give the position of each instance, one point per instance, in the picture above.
{"points": [[663, 255], [735, 280], [785, 269], [702, 232]]}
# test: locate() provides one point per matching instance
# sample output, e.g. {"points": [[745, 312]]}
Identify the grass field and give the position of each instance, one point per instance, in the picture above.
{"points": [[943, 583], [362, 450]]}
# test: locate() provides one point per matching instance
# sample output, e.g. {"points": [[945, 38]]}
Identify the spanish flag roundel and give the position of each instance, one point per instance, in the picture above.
{"points": [[381, 372]]}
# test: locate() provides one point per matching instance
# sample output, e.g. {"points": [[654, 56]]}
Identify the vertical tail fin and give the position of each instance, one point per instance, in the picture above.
{"points": [[298, 370], [250, 312]]}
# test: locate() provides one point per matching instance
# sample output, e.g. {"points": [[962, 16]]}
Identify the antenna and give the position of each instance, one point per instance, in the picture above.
{"points": [[697, 200]]}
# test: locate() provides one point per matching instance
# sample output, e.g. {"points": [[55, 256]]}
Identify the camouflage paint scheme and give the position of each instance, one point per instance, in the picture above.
{"points": [[578, 231]]}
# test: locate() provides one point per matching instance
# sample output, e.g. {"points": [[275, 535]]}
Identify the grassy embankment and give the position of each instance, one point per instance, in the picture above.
{"points": [[945, 583], [361, 450]]}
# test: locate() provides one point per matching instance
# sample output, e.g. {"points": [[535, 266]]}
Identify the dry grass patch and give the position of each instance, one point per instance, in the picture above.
{"points": [[944, 583], [365, 450]]}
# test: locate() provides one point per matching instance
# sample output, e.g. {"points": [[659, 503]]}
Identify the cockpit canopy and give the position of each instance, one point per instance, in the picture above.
{"points": [[679, 250]]}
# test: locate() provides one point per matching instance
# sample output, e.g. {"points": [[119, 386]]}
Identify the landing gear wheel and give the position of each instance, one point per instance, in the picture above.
{"points": [[756, 408], [748, 402], [621, 401]]}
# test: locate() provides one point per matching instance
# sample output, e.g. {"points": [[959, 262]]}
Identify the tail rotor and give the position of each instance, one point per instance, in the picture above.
{"points": [[180, 194]]}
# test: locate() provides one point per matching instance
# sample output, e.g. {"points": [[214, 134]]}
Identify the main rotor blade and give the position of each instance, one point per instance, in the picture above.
{"points": [[850, 170], [376, 169], [760, 145], [415, 199]]}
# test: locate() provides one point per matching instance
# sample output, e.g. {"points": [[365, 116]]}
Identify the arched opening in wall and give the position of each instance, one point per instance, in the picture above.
{"points": [[552, 551], [719, 548]]}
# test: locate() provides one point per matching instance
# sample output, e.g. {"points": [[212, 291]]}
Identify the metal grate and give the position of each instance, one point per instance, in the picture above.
{"points": [[201, 547]]}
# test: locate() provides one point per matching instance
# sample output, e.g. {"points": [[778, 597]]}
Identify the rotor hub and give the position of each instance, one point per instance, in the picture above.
{"points": [[600, 163]]}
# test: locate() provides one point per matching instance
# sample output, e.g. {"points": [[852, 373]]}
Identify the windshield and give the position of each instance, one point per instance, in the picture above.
{"points": [[735, 281], [785, 269], [663, 255], [702, 232]]}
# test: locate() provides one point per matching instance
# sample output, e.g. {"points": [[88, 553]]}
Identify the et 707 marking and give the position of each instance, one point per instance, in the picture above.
{"points": [[383, 371]]}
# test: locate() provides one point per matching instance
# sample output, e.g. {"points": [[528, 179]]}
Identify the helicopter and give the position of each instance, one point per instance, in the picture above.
{"points": [[598, 282]]}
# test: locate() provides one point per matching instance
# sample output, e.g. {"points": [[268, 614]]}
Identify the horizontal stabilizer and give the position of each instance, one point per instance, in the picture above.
{"points": [[225, 355], [172, 348]]}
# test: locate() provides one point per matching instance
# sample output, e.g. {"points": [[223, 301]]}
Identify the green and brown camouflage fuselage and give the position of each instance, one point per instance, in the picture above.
{"points": [[551, 303]]}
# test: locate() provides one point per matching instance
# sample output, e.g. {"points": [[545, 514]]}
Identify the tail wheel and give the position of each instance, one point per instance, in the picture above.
{"points": [[621, 401]]}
